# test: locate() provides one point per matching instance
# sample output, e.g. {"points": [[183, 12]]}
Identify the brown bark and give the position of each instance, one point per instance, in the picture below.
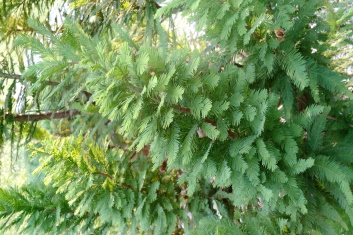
{"points": [[41, 116]]}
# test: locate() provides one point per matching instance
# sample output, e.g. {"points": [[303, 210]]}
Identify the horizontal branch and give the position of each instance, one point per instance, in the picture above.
{"points": [[335, 119], [40, 116], [19, 77], [183, 110], [68, 212], [12, 76], [104, 174]]}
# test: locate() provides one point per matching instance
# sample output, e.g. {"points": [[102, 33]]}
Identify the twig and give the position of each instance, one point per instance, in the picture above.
{"points": [[104, 174], [40, 116], [335, 119], [12, 76], [19, 77], [183, 110]]}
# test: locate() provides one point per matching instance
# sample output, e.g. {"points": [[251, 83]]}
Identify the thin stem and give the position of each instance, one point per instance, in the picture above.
{"points": [[104, 174], [12, 76], [19, 77], [41, 116], [182, 110], [335, 119]]}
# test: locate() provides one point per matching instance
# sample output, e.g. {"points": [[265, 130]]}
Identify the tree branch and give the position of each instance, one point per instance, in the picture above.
{"points": [[12, 76], [104, 174], [183, 110], [19, 77], [40, 116], [335, 119]]}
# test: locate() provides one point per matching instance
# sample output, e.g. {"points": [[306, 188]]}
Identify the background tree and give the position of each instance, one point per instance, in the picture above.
{"points": [[247, 131]]}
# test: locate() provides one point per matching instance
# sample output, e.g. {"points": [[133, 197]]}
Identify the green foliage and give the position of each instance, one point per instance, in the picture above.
{"points": [[97, 189], [212, 225], [248, 131]]}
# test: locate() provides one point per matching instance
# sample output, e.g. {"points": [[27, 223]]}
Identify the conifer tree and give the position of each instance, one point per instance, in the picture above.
{"points": [[246, 130]]}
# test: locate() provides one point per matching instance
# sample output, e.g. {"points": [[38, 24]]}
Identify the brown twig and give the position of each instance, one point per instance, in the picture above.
{"points": [[40, 116], [104, 174], [182, 110], [335, 119]]}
